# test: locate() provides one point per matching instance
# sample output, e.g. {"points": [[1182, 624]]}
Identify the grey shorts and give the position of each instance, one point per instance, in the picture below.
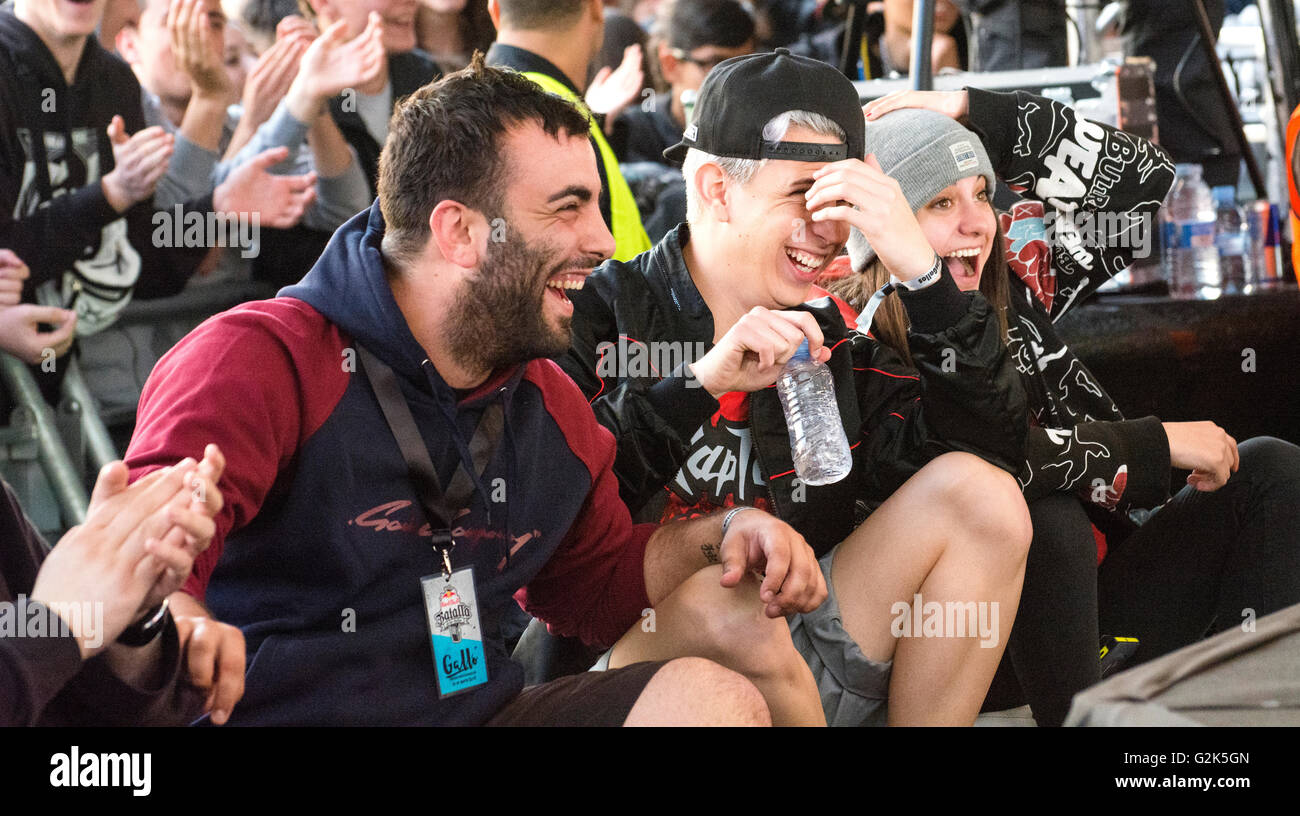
{"points": [[854, 688]]}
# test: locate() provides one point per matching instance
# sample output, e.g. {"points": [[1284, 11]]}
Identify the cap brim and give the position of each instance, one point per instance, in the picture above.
{"points": [[677, 153]]}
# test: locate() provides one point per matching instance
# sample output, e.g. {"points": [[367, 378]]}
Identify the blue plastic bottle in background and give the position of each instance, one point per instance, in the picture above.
{"points": [[1190, 260], [817, 442]]}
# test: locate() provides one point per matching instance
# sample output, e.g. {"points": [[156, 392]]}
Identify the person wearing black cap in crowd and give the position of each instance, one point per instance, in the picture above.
{"points": [[775, 178]]}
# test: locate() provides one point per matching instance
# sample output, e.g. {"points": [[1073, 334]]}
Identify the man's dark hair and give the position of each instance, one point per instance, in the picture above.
{"points": [[532, 15], [444, 143], [692, 24], [262, 16]]}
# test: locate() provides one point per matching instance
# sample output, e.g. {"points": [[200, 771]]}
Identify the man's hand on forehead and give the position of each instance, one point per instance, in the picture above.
{"points": [[859, 194]]}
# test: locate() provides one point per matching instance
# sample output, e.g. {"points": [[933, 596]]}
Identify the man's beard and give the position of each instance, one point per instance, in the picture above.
{"points": [[499, 318]]}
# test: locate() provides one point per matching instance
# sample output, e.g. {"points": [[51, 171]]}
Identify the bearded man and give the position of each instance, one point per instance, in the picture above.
{"points": [[411, 462]]}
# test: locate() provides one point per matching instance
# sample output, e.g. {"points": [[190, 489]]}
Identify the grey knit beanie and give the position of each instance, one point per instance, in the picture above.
{"points": [[925, 152]]}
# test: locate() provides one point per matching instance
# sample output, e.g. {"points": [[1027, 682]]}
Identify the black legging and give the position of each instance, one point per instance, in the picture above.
{"points": [[1189, 572]]}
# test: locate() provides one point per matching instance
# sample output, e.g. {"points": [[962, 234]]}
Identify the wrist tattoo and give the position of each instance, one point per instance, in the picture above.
{"points": [[710, 553]]}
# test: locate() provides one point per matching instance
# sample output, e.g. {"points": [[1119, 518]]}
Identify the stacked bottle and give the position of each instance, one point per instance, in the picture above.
{"points": [[1232, 239], [1190, 259]]}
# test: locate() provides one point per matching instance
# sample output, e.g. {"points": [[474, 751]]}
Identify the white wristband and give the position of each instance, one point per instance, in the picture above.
{"points": [[925, 280]]}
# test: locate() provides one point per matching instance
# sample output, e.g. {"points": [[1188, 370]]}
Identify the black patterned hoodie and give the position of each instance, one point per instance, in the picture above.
{"points": [[1091, 193]]}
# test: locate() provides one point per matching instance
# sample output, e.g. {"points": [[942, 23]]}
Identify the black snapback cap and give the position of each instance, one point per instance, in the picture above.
{"points": [[742, 94]]}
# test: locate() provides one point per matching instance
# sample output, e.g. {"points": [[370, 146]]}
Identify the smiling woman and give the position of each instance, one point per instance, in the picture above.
{"points": [[1171, 569]]}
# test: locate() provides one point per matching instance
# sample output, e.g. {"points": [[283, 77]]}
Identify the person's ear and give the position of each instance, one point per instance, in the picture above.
{"points": [[596, 11], [494, 11], [125, 43], [712, 189], [668, 64], [459, 232]]}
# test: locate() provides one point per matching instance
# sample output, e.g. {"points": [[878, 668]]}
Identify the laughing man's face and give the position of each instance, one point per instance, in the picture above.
{"points": [[548, 240]]}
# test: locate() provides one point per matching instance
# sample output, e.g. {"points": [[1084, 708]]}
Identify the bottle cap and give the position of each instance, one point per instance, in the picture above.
{"points": [[801, 353], [1225, 195]]}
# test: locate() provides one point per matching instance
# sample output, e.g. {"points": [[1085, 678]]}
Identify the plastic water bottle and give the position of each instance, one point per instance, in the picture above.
{"points": [[1231, 237], [817, 442], [1191, 262]]}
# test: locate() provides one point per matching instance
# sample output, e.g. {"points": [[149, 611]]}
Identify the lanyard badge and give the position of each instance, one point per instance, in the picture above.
{"points": [[451, 605], [450, 602]]}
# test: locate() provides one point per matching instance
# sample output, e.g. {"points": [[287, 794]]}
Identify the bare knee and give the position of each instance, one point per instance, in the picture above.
{"points": [[692, 691], [731, 624], [983, 501]]}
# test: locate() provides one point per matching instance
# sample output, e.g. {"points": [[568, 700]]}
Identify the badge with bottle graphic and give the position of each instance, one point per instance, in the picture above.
{"points": [[452, 608]]}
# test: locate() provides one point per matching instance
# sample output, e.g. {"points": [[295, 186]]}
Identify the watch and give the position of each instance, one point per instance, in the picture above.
{"points": [[142, 633]]}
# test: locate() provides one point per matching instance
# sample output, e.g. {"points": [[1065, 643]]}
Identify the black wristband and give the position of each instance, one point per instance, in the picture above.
{"points": [[142, 632]]}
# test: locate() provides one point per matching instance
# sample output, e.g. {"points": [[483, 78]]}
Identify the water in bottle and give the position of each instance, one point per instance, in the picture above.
{"points": [[1191, 261], [1231, 238], [817, 442]]}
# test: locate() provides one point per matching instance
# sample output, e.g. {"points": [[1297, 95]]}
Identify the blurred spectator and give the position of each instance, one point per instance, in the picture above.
{"points": [[690, 37], [817, 29], [553, 42], [187, 93], [78, 167], [1007, 35], [259, 19], [621, 31], [947, 48], [451, 31], [20, 323], [287, 163], [117, 13], [188, 99], [641, 12], [782, 23], [240, 58], [362, 112], [1194, 127], [107, 650]]}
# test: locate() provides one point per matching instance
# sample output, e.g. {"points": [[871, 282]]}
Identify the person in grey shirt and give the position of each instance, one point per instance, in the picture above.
{"points": [[176, 50]]}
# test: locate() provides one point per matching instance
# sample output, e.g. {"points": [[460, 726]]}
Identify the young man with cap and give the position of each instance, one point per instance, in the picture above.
{"points": [[552, 42], [775, 175]]}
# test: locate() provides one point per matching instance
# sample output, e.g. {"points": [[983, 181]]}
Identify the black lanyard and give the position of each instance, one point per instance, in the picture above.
{"points": [[418, 464]]}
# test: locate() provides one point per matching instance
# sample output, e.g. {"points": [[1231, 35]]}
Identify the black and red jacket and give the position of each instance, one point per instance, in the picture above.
{"points": [[963, 394], [322, 526]]}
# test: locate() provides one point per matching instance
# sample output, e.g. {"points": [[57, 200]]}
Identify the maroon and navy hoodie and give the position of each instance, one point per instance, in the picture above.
{"points": [[321, 543]]}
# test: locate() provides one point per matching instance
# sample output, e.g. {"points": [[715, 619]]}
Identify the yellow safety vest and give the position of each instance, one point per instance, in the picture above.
{"points": [[630, 238]]}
